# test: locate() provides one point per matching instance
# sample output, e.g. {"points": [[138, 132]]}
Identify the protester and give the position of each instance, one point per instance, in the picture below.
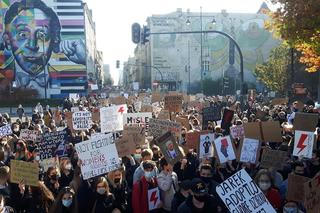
{"points": [[65, 202], [104, 200], [20, 111], [181, 195]]}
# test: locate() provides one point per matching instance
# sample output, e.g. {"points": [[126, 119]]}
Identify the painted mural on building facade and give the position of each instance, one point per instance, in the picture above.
{"points": [[38, 51]]}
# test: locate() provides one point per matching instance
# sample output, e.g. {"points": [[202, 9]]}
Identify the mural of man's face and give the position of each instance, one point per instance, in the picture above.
{"points": [[28, 38]]}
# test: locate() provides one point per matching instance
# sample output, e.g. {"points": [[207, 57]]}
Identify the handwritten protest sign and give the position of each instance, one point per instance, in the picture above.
{"points": [[53, 144], [183, 121], [224, 149], [305, 121], [271, 131], [296, 187], [28, 135], [169, 147], [112, 118], [237, 131], [241, 194], [119, 100], [173, 103], [250, 149], [252, 130], [98, 156], [50, 162], [159, 127], [211, 114], [193, 140], [75, 109], [137, 134], [164, 115], [303, 144], [81, 120], [137, 119], [125, 146], [24, 171], [153, 198], [227, 118], [156, 97], [96, 116], [273, 158], [312, 195], [206, 145], [5, 130]]}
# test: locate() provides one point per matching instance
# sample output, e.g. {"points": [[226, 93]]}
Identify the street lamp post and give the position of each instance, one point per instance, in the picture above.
{"points": [[43, 37]]}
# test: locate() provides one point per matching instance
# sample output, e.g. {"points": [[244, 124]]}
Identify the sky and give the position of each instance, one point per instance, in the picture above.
{"points": [[114, 18]]}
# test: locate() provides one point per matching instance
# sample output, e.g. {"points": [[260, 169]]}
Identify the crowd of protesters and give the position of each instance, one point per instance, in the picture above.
{"points": [[187, 186]]}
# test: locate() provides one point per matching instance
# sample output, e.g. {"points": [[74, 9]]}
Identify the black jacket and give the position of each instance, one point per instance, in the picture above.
{"points": [[210, 206], [177, 200], [104, 204], [121, 195]]}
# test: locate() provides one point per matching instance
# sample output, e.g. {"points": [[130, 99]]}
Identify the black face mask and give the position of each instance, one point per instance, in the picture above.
{"points": [[200, 198], [117, 180], [207, 180], [54, 177]]}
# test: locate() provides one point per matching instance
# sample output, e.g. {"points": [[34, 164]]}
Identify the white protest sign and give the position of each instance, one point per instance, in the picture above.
{"points": [[240, 194], [237, 131], [28, 135], [249, 151], [137, 119], [98, 156], [81, 120], [75, 109], [224, 149], [112, 118], [153, 198], [74, 96], [303, 144], [5, 130], [206, 145], [137, 106]]}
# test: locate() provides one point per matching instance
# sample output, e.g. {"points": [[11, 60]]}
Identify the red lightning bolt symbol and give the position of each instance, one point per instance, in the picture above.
{"points": [[121, 110], [301, 145], [154, 198]]}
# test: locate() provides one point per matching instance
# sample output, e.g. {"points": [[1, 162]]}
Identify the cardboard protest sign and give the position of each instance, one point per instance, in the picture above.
{"points": [[312, 195], [169, 147], [206, 145], [227, 118], [173, 103], [98, 156], [212, 113], [68, 118], [50, 162], [136, 133], [81, 120], [153, 198], [296, 187], [224, 149], [252, 130], [159, 127], [146, 108], [118, 100], [249, 150], [112, 118], [137, 106], [164, 115], [303, 144], [237, 131], [305, 121], [156, 97], [279, 101], [273, 158], [137, 119], [125, 146], [96, 116], [28, 135], [241, 194], [193, 140], [53, 144], [5, 130], [24, 171], [271, 131], [183, 121]]}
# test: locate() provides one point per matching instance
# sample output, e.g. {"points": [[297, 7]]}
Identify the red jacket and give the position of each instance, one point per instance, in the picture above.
{"points": [[274, 198], [140, 195]]}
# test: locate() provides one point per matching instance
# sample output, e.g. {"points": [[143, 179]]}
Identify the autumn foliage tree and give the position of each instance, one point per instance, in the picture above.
{"points": [[298, 23]]}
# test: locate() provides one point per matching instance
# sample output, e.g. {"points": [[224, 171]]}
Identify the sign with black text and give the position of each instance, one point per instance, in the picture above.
{"points": [[81, 120], [53, 144]]}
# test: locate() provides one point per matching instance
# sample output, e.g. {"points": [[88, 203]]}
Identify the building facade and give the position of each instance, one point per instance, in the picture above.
{"points": [[181, 61], [48, 46]]}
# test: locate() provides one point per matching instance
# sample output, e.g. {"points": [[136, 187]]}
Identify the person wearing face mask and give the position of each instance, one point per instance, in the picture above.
{"points": [[22, 152], [146, 155], [200, 201], [66, 172], [51, 180], [264, 180], [65, 202], [168, 184], [291, 207], [181, 195], [143, 188], [104, 200], [119, 188]]}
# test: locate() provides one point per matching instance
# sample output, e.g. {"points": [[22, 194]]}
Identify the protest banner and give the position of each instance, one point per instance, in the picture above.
{"points": [[53, 144], [227, 118], [112, 118], [237, 131], [249, 150], [24, 171], [303, 144], [312, 195], [273, 158], [28, 135], [212, 113], [224, 149], [271, 131], [241, 194], [50, 162], [98, 156], [305, 121], [137, 119], [206, 145], [193, 140], [169, 147], [5, 130], [252, 130], [296, 187], [125, 146], [159, 127], [137, 134], [81, 120], [173, 103], [153, 198]]}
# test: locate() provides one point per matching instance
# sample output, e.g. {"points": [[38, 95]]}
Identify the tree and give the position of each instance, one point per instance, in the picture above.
{"points": [[298, 23], [273, 73]]}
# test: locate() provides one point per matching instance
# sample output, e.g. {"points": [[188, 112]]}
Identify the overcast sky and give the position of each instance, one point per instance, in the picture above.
{"points": [[114, 19]]}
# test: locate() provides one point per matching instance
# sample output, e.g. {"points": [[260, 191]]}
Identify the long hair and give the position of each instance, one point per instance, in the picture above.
{"points": [[57, 205], [44, 195]]}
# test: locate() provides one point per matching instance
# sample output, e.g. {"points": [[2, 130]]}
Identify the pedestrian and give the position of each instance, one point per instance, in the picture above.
{"points": [[20, 111]]}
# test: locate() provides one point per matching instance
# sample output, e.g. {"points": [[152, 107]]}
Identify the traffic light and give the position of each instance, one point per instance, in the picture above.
{"points": [[145, 35], [136, 30], [117, 64]]}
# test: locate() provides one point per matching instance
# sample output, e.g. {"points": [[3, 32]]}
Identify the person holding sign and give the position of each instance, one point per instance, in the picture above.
{"points": [[145, 192]]}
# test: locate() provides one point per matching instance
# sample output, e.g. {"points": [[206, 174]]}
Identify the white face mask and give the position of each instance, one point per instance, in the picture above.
{"points": [[264, 186], [68, 166], [37, 158]]}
